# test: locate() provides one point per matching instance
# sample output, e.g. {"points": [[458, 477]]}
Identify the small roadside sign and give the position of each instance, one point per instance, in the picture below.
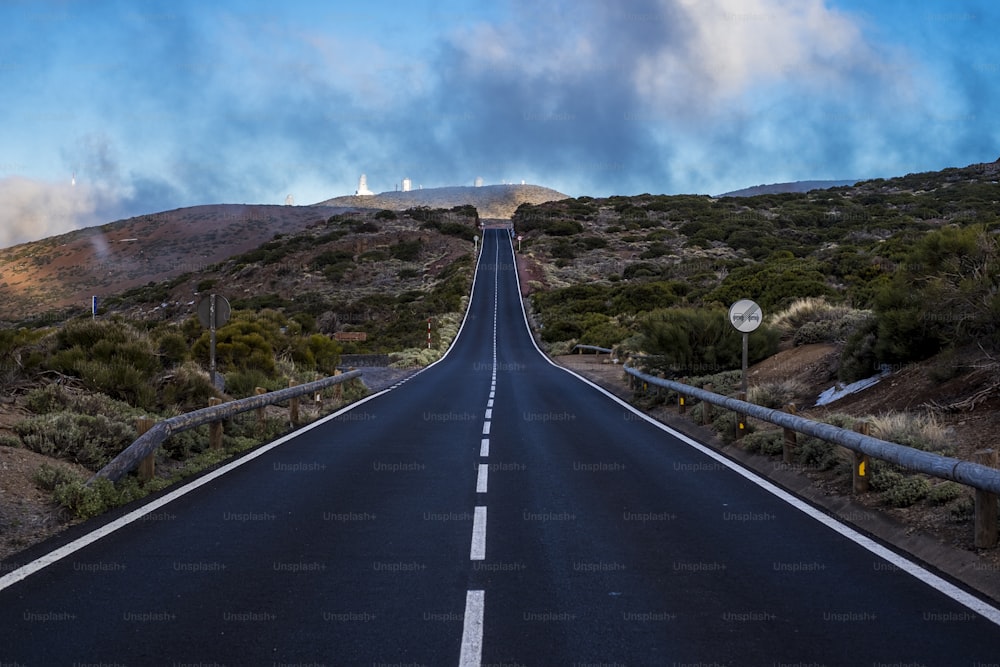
{"points": [[222, 311], [745, 315]]}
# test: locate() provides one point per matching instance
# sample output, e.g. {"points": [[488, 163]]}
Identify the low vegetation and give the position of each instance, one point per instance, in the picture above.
{"points": [[894, 270]]}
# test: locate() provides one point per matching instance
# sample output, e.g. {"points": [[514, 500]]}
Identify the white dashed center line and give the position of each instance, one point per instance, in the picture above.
{"points": [[472, 631], [484, 472], [478, 551]]}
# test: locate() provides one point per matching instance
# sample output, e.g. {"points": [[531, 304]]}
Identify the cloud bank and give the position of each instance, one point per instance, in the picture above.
{"points": [[588, 97]]}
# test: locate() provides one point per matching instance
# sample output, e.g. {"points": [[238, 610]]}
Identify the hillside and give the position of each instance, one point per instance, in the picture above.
{"points": [[779, 188], [65, 271], [492, 201]]}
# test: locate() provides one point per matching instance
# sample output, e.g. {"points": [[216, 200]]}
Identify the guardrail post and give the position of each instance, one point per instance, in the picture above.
{"points": [[741, 419], [706, 408], [293, 406], [791, 441], [986, 506], [682, 400], [862, 464], [215, 428], [147, 466], [261, 414], [338, 390]]}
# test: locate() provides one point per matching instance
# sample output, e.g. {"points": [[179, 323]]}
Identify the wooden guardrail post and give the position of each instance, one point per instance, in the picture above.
{"points": [[261, 413], [147, 467], [791, 441], [706, 408], [986, 506], [215, 428], [862, 464], [293, 406], [741, 419], [338, 390]]}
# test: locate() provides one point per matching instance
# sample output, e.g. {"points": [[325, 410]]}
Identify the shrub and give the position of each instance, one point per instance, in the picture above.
{"points": [[858, 360], [47, 477], [906, 492], [189, 388], [407, 251], [768, 443], [945, 492], [173, 349], [917, 431], [684, 339], [819, 453], [776, 394], [85, 439]]}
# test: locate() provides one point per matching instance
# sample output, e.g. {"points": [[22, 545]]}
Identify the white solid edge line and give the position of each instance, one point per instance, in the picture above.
{"points": [[484, 447], [56, 555], [478, 550], [482, 479], [963, 597], [472, 630]]}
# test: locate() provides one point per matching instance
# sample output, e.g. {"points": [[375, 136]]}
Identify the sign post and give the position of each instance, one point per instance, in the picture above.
{"points": [[746, 316], [213, 312]]}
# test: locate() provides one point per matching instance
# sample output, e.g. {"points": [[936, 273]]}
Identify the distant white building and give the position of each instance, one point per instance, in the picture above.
{"points": [[289, 200], [363, 190], [407, 185], [479, 181]]}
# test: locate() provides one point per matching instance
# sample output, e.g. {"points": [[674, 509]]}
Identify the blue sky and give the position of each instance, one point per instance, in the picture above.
{"points": [[158, 105]]}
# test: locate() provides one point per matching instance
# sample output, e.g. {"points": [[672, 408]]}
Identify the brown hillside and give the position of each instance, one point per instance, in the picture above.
{"points": [[67, 270]]}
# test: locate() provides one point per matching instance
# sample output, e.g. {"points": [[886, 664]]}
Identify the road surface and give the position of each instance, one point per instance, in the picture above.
{"points": [[490, 510]]}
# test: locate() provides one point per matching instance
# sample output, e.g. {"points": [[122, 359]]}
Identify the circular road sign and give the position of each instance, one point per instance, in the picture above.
{"points": [[222, 311], [745, 315]]}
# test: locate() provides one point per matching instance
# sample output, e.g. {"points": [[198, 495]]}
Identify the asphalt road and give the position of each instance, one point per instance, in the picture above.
{"points": [[490, 510]]}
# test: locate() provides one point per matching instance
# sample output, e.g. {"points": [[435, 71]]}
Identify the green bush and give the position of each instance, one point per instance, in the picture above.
{"points": [[406, 251], [945, 492], [173, 349], [906, 492], [818, 453], [90, 440], [768, 443], [858, 360], [686, 340]]}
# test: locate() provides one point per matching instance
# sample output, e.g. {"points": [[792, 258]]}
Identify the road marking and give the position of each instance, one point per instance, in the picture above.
{"points": [[489, 413], [486, 428], [472, 630], [481, 481], [478, 551], [484, 447], [489, 403], [493, 394]]}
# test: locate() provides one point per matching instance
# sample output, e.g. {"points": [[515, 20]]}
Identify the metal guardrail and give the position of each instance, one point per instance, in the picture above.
{"points": [[595, 348], [150, 441], [971, 474]]}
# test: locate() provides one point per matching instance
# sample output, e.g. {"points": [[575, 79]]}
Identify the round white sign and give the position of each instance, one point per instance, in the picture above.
{"points": [[745, 315]]}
